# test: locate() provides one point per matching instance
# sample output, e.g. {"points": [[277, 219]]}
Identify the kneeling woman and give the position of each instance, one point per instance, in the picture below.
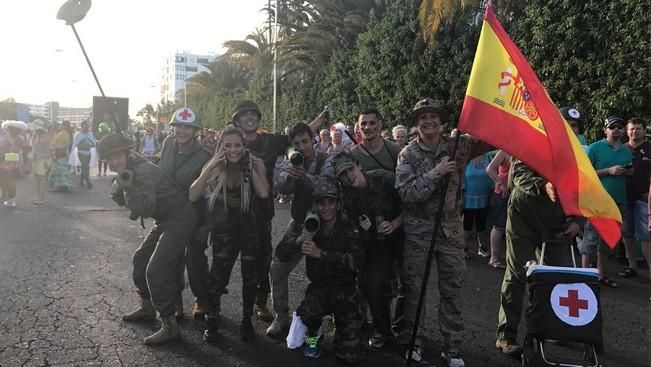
{"points": [[233, 180]]}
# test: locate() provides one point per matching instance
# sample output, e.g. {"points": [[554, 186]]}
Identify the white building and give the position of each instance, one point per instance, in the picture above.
{"points": [[53, 112], [177, 69]]}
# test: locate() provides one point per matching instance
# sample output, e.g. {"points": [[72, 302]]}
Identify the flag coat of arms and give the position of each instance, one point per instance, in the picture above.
{"points": [[508, 107]]}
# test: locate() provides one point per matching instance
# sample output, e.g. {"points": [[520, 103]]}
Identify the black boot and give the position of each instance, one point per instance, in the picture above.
{"points": [[210, 334], [246, 329]]}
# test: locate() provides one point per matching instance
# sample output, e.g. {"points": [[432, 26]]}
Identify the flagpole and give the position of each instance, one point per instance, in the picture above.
{"points": [[430, 252]]}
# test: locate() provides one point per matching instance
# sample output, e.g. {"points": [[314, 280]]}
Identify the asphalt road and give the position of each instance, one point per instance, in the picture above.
{"points": [[65, 280]]}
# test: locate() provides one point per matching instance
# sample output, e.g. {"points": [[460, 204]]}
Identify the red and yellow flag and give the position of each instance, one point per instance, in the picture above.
{"points": [[507, 107]]}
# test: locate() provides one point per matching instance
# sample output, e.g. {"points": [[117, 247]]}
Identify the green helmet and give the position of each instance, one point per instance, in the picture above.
{"points": [[324, 189], [112, 143], [104, 127], [187, 117], [244, 106]]}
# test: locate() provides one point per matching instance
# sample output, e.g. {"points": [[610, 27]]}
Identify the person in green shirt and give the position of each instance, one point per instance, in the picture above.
{"points": [[613, 162]]}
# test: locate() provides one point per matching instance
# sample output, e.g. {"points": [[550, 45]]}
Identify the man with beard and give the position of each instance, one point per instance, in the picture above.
{"points": [[148, 192], [267, 147], [298, 180], [374, 152], [182, 157]]}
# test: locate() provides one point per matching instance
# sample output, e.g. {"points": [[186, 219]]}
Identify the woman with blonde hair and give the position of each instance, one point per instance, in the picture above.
{"points": [[233, 181]]}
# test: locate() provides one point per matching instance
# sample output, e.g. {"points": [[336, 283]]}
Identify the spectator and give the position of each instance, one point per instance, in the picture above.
{"points": [[102, 130], [336, 135], [498, 170], [83, 142], [60, 179], [325, 143], [41, 162], [477, 187], [10, 148], [399, 133], [149, 143], [636, 213], [573, 118], [613, 162]]}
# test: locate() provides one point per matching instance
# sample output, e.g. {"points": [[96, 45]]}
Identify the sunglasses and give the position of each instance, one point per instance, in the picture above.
{"points": [[613, 127]]}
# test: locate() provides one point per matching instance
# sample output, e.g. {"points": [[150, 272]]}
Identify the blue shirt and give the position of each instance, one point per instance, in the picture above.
{"points": [[477, 185], [603, 155]]}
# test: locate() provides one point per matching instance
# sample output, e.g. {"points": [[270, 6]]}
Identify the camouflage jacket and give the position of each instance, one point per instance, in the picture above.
{"points": [[342, 255], [420, 187]]}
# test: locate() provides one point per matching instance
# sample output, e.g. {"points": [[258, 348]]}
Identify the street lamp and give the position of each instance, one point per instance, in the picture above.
{"points": [[72, 11]]}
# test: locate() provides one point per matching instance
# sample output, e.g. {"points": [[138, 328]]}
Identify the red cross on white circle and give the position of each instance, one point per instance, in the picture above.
{"points": [[574, 303]]}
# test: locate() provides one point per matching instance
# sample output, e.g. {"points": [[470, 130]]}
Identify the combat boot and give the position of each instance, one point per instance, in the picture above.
{"points": [[146, 312], [169, 331], [200, 309], [279, 326], [260, 309], [246, 329]]}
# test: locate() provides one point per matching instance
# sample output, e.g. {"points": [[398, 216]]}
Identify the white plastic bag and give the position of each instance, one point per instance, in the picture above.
{"points": [[297, 330]]}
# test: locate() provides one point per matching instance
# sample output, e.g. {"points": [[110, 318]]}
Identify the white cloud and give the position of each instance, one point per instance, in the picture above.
{"points": [[126, 41]]}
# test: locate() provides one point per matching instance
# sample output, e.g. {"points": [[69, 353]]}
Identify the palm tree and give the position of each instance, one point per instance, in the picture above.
{"points": [[433, 14], [254, 52], [223, 74]]}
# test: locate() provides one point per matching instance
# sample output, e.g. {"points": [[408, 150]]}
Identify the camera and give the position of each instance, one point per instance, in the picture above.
{"points": [[330, 111], [295, 157], [312, 222]]}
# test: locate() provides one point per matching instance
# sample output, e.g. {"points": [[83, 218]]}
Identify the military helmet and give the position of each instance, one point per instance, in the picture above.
{"points": [[245, 106], [112, 143], [427, 105], [187, 117], [325, 189]]}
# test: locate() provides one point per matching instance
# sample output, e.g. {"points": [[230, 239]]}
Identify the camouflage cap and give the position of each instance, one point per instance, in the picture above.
{"points": [[342, 161], [427, 105], [325, 189]]}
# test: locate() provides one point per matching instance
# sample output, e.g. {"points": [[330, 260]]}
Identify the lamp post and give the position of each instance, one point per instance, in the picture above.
{"points": [[275, 71]]}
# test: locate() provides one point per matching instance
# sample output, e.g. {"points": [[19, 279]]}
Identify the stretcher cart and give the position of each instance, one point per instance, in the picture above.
{"points": [[563, 307]]}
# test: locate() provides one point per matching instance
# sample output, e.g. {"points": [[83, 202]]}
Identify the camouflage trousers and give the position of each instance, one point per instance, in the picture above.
{"points": [[238, 239], [449, 266], [321, 300], [155, 262]]}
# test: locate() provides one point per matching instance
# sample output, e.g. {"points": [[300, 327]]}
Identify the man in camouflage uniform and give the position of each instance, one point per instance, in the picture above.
{"points": [[182, 157], [148, 192], [267, 147], [422, 168], [299, 181], [334, 256], [532, 209]]}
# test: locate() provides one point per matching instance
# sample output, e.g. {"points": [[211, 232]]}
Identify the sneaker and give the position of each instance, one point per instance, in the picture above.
{"points": [[378, 340], [312, 349], [11, 203], [416, 354], [453, 359]]}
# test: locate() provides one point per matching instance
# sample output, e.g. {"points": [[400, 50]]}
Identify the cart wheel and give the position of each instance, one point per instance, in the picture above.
{"points": [[531, 353]]}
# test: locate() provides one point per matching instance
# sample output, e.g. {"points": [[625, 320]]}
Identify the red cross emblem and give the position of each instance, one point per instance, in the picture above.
{"points": [[185, 114], [573, 302]]}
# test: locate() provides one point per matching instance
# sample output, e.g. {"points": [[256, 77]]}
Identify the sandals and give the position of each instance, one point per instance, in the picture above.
{"points": [[498, 265], [607, 282], [628, 272]]}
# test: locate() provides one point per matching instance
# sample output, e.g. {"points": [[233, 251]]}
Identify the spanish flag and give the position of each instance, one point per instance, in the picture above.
{"points": [[507, 106]]}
